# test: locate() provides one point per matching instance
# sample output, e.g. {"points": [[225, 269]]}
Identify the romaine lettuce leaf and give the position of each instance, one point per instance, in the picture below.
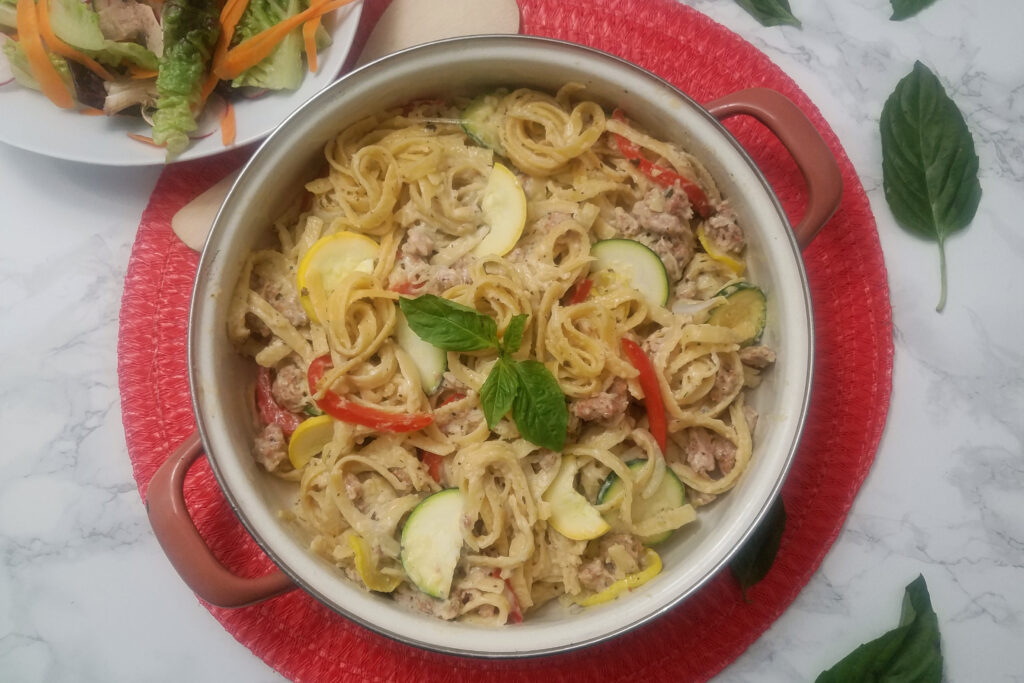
{"points": [[76, 24], [283, 69], [191, 29], [8, 13], [115, 54], [23, 74]]}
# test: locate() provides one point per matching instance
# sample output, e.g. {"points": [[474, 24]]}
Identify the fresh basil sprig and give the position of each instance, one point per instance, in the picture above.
{"points": [[753, 560], [929, 166], [910, 652], [770, 12], [526, 388], [902, 9]]}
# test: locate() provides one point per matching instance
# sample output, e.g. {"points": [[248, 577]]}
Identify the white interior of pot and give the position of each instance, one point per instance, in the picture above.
{"points": [[222, 380]]}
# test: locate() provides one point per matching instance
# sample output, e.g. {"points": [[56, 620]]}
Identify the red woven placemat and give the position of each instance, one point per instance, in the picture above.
{"points": [[304, 640]]}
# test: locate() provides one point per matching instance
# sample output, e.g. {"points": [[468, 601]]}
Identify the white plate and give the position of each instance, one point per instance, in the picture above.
{"points": [[31, 122]]}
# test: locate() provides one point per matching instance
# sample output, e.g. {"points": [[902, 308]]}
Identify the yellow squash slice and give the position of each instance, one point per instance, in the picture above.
{"points": [[504, 211], [309, 438], [333, 257]]}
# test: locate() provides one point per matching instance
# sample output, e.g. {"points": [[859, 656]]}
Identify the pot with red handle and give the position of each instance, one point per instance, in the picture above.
{"points": [[222, 380]]}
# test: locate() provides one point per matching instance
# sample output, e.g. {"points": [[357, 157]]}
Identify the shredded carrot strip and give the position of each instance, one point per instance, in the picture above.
{"points": [[230, 14], [138, 73], [39, 63], [227, 125], [91, 111], [254, 50], [145, 139], [62, 48], [309, 39]]}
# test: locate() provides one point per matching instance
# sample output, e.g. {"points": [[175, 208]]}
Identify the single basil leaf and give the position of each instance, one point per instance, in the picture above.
{"points": [[499, 391], [449, 325], [770, 12], [901, 9], [910, 652], [755, 558], [539, 408], [929, 166], [513, 337]]}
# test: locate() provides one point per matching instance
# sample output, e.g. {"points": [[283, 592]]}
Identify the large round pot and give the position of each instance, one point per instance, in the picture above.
{"points": [[221, 379]]}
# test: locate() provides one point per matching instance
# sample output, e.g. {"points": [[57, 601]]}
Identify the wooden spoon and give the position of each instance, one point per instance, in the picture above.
{"points": [[403, 24]]}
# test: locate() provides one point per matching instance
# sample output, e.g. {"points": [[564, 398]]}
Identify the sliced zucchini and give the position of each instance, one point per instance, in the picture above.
{"points": [[482, 119], [432, 542], [431, 362], [637, 264], [669, 495], [571, 514], [504, 211], [744, 311]]}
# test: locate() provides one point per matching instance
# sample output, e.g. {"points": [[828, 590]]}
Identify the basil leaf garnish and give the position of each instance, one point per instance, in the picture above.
{"points": [[539, 408], [929, 166], [770, 12], [449, 325], [910, 652], [901, 9], [513, 337], [755, 558], [499, 391]]}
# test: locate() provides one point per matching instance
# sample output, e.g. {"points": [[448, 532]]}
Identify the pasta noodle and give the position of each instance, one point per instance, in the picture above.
{"points": [[408, 185]]}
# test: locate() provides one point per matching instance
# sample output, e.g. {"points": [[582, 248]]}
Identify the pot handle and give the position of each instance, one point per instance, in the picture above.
{"points": [[186, 549], [798, 135]]}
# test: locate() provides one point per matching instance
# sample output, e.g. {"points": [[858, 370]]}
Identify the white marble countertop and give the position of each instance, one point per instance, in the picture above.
{"points": [[87, 595]]}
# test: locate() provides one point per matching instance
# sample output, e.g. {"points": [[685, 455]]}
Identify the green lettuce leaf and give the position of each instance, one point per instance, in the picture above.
{"points": [[191, 29], [23, 74], [8, 14], [117, 54], [76, 24], [283, 69]]}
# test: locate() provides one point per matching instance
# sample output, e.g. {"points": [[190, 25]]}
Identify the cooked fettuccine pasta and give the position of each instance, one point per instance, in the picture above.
{"points": [[502, 347]]}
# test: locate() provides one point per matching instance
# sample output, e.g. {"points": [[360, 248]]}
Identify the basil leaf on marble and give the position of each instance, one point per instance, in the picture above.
{"points": [[513, 337], [499, 390], [449, 325], [910, 653], [755, 558], [929, 166], [770, 12], [902, 9], [539, 408]]}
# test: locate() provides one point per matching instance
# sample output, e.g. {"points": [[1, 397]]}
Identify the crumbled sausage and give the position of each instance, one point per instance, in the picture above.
{"points": [[723, 231], [727, 383], [290, 388], [284, 297], [270, 448], [757, 356], [602, 406], [705, 450]]}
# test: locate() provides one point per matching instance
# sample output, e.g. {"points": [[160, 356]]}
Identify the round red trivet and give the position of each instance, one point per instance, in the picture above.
{"points": [[304, 640]]}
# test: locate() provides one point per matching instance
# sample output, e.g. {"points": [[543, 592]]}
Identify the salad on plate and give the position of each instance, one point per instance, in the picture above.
{"points": [[177, 64]]}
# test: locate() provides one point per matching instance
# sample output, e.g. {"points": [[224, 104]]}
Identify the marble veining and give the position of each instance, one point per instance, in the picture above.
{"points": [[86, 594]]}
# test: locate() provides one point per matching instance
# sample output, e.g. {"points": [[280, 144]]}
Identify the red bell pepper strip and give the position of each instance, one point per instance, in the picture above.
{"points": [[515, 612], [652, 392], [434, 463], [408, 288], [579, 294], [270, 411], [662, 175], [355, 413]]}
